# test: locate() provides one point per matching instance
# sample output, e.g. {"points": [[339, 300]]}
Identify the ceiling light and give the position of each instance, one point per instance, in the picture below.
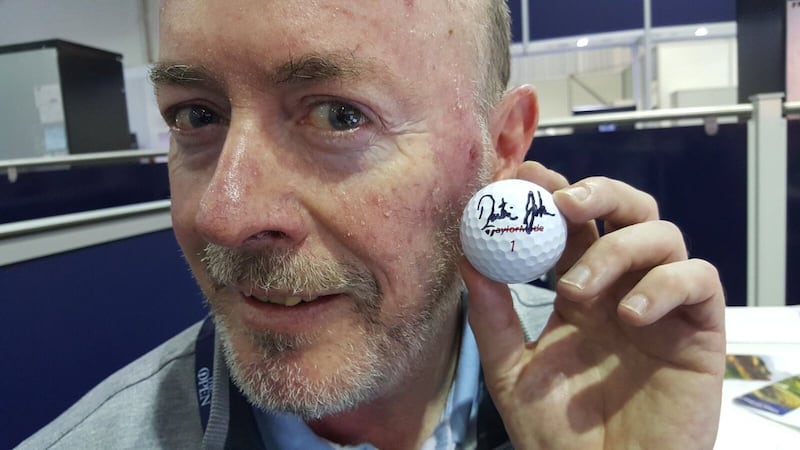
{"points": [[700, 32], [582, 42]]}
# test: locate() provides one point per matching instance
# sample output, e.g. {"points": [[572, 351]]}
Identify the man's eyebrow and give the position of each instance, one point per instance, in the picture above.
{"points": [[167, 73], [319, 68]]}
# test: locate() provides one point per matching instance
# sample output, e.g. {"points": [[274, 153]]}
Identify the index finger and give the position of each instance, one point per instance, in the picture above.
{"points": [[618, 204]]}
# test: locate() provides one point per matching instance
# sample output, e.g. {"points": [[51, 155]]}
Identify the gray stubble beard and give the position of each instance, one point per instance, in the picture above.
{"points": [[277, 383], [371, 365]]}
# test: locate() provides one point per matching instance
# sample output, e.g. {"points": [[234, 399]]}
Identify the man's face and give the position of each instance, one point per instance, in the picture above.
{"points": [[321, 153]]}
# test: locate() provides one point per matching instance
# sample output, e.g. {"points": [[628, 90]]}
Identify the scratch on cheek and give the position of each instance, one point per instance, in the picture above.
{"points": [[474, 154]]}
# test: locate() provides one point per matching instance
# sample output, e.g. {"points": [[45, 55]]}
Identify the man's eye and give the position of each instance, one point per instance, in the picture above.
{"points": [[195, 116], [337, 116]]}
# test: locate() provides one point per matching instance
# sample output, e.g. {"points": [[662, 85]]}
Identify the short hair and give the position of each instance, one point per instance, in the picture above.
{"points": [[493, 52]]}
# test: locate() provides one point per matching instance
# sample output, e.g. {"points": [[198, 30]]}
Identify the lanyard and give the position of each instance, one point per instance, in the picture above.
{"points": [[491, 431], [204, 367]]}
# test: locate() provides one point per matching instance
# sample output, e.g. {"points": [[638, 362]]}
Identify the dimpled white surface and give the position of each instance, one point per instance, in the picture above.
{"points": [[512, 232]]}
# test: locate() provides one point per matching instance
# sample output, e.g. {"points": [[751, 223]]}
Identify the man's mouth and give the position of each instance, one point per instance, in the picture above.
{"points": [[285, 300], [284, 297]]}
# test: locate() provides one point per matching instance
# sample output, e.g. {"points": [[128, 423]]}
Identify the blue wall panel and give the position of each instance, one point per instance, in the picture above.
{"points": [[575, 17], [682, 12], [793, 218], [551, 19], [514, 7], [58, 191], [72, 319], [698, 180]]}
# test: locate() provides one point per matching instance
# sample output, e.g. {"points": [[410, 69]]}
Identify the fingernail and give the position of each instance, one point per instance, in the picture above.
{"points": [[577, 276], [636, 303], [578, 193]]}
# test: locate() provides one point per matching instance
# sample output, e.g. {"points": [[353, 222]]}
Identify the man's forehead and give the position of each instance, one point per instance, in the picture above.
{"points": [[405, 47], [325, 25]]}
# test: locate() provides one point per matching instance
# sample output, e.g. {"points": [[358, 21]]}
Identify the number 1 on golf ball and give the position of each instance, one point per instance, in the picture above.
{"points": [[512, 232]]}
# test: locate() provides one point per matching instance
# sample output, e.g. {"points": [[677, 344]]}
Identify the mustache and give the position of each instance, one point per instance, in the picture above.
{"points": [[286, 271]]}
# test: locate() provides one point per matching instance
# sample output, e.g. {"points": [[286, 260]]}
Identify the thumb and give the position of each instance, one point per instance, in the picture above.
{"points": [[494, 322]]}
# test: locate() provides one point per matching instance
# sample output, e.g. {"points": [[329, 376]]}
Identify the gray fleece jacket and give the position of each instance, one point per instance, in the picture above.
{"points": [[152, 402]]}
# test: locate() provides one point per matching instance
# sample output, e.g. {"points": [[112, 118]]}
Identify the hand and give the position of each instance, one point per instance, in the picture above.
{"points": [[634, 353]]}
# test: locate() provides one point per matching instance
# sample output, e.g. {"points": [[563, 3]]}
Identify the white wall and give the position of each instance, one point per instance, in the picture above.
{"points": [[144, 117], [128, 27], [113, 25], [554, 74], [699, 73], [551, 66], [696, 66], [558, 96]]}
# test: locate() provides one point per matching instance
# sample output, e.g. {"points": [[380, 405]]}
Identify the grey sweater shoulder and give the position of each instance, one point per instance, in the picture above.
{"points": [[151, 403]]}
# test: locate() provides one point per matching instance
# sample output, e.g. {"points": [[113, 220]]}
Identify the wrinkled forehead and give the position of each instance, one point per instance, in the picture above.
{"points": [[414, 38]]}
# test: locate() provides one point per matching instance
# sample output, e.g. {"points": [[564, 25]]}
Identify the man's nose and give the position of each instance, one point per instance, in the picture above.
{"points": [[250, 200]]}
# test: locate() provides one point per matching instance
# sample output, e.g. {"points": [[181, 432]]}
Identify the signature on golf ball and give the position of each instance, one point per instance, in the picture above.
{"points": [[512, 232]]}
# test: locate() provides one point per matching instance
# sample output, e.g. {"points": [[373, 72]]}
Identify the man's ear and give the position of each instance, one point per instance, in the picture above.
{"points": [[512, 124]]}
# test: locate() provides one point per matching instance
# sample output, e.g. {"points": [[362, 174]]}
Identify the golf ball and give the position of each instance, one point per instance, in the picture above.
{"points": [[512, 232]]}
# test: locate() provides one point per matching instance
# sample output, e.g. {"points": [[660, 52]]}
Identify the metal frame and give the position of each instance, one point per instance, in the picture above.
{"points": [[742, 110], [766, 202], [81, 159], [82, 218], [30, 239]]}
